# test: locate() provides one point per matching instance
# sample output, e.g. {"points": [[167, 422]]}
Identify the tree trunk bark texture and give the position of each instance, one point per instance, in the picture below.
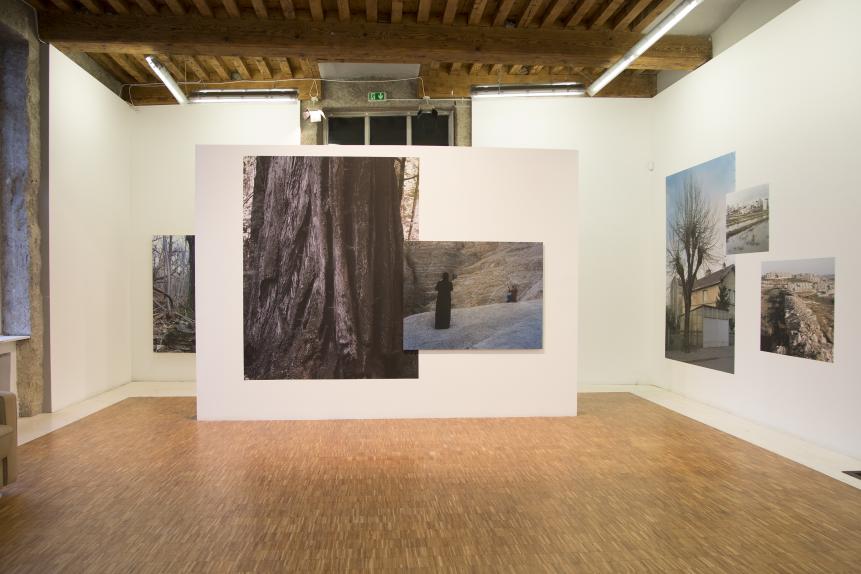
{"points": [[323, 271]]}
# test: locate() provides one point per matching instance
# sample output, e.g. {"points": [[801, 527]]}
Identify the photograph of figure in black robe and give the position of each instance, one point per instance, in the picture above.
{"points": [[444, 288], [323, 251], [473, 295]]}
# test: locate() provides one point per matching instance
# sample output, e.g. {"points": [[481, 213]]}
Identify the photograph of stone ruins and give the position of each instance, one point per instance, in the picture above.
{"points": [[797, 316]]}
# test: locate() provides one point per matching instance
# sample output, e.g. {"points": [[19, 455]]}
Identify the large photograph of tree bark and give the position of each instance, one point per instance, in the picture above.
{"points": [[323, 241], [173, 293]]}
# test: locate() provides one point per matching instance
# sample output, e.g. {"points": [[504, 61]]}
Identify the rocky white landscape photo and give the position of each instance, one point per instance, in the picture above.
{"points": [[473, 295]]}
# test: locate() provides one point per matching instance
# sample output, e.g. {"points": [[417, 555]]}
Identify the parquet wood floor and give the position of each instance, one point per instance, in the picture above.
{"points": [[627, 486]]}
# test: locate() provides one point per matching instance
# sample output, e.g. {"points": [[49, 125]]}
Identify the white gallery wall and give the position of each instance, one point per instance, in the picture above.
{"points": [[162, 191], [89, 132], [613, 138], [804, 139], [467, 194]]}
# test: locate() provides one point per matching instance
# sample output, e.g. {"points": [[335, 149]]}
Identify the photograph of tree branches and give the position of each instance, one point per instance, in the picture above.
{"points": [[700, 279], [473, 295], [173, 294], [323, 241]]}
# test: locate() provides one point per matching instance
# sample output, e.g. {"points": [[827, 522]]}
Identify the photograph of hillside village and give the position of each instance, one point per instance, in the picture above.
{"points": [[797, 317], [747, 220], [700, 280]]}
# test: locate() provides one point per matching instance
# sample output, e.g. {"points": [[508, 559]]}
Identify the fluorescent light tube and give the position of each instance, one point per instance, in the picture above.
{"points": [[665, 25], [165, 77], [528, 90]]}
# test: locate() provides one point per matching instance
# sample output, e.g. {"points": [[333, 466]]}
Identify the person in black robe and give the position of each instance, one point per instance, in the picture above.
{"points": [[444, 288]]}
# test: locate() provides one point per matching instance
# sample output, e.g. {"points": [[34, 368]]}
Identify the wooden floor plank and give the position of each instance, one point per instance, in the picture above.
{"points": [[627, 486]]}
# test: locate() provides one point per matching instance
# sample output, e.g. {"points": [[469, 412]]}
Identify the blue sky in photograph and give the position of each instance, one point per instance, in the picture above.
{"points": [[823, 266], [747, 195], [716, 178]]}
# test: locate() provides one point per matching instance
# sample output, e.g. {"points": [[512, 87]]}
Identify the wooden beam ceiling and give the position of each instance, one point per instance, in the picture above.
{"points": [[362, 41], [459, 43]]}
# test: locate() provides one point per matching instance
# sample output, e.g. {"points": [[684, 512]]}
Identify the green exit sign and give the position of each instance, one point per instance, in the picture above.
{"points": [[376, 96]]}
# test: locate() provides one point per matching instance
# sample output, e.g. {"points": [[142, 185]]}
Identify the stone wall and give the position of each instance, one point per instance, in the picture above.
{"points": [[24, 203]]}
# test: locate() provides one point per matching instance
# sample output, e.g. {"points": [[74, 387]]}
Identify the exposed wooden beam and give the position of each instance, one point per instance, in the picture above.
{"points": [[215, 64], [535, 69], [92, 6], [310, 69], [477, 12], [475, 68], [580, 13], [364, 42], [260, 8], [450, 11], [288, 9], [119, 6], [629, 15], [130, 68], [158, 95], [112, 68], [529, 13], [441, 85], [515, 70], [232, 8], [203, 7], [175, 7], [141, 60], [423, 12], [63, 5], [237, 64], [605, 14], [495, 70], [263, 67], [284, 67], [455, 68], [371, 10], [554, 12], [148, 7], [195, 67], [316, 7], [397, 11], [344, 10], [167, 62], [502, 12], [652, 15]]}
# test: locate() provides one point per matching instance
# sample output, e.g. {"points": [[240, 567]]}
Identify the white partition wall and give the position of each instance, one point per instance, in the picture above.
{"points": [[466, 194], [806, 144], [613, 138], [90, 137]]}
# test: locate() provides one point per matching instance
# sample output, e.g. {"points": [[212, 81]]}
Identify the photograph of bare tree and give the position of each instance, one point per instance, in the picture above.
{"points": [[473, 295], [322, 257], [700, 279], [173, 294], [797, 317]]}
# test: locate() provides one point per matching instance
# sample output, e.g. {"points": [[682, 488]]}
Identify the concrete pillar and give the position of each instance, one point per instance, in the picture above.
{"points": [[23, 211]]}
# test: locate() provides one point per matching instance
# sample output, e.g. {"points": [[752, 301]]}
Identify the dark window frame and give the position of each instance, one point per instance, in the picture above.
{"points": [[408, 115]]}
